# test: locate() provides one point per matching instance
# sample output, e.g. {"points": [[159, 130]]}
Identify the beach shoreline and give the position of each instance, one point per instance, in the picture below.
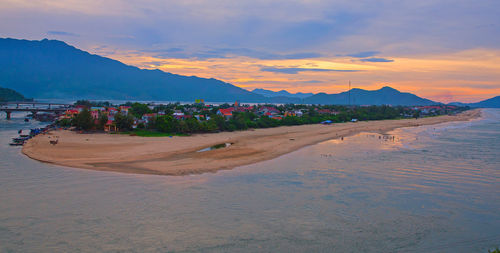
{"points": [[179, 155]]}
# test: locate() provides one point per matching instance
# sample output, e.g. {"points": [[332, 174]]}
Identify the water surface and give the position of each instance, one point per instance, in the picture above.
{"points": [[428, 189]]}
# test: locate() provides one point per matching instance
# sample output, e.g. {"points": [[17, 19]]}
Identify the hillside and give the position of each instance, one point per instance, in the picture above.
{"points": [[53, 69], [281, 93], [7, 94], [383, 96], [488, 103]]}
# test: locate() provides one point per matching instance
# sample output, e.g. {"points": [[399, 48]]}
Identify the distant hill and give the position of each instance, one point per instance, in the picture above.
{"points": [[383, 96], [7, 94], [281, 93], [488, 103], [53, 69]]}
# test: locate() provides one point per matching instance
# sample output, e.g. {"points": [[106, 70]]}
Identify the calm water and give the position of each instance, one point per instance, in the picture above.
{"points": [[430, 189]]}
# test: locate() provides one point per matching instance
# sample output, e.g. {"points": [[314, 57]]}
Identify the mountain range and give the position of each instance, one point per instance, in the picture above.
{"points": [[488, 103], [281, 93], [54, 69]]}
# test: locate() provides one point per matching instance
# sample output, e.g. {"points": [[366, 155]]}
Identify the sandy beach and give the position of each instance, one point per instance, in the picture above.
{"points": [[179, 155]]}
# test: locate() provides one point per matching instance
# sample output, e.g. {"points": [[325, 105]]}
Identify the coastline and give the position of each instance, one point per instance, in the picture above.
{"points": [[180, 156]]}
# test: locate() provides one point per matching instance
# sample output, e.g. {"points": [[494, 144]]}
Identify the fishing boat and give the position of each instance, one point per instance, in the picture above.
{"points": [[20, 139], [16, 143]]}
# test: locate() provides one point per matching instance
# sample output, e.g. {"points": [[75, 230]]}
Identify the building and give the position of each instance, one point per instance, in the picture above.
{"points": [[147, 118], [226, 113], [124, 109]]}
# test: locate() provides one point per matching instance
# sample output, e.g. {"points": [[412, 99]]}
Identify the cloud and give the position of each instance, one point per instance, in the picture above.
{"points": [[313, 81], [375, 59], [62, 33], [364, 54], [297, 70], [222, 53]]}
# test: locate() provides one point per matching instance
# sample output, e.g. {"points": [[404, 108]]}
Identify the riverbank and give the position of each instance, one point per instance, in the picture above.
{"points": [[179, 155]]}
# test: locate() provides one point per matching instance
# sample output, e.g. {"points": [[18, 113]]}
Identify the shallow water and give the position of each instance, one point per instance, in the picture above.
{"points": [[428, 189]]}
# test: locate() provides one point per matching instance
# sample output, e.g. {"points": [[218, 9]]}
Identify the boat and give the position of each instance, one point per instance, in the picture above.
{"points": [[20, 139], [26, 120], [16, 143]]}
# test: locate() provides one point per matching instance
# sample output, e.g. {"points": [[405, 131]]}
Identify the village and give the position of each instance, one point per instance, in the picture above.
{"points": [[200, 117]]}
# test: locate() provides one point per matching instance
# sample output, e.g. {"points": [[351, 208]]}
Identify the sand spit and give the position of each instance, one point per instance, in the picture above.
{"points": [[179, 156]]}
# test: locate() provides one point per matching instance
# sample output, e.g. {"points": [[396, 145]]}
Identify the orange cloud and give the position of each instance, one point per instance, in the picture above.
{"points": [[462, 76]]}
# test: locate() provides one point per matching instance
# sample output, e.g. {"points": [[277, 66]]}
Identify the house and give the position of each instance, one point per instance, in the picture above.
{"points": [[183, 117], [147, 118], [199, 117], [289, 114], [110, 126], [94, 114], [70, 113], [112, 110], [268, 109], [244, 109], [226, 113], [124, 109]]}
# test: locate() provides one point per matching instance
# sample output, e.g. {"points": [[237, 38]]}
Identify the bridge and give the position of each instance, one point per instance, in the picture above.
{"points": [[33, 107], [33, 104]]}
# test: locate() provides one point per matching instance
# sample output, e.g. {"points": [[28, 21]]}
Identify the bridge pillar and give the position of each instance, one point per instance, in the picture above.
{"points": [[8, 115]]}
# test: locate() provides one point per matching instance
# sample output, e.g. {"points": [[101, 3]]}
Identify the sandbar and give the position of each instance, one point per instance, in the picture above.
{"points": [[178, 155]]}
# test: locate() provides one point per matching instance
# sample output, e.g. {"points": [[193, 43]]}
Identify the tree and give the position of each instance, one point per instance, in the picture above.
{"points": [[103, 119], [124, 122], [84, 120], [166, 124], [139, 109], [64, 122]]}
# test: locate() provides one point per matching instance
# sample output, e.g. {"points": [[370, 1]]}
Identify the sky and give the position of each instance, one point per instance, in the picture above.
{"points": [[445, 50]]}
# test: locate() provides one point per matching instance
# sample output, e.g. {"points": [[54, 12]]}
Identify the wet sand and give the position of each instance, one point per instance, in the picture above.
{"points": [[179, 156]]}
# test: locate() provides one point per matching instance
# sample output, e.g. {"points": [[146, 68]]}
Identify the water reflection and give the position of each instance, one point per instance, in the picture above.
{"points": [[424, 190]]}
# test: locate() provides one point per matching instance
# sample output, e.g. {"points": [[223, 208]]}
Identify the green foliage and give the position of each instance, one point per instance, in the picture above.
{"points": [[103, 119], [64, 122], [494, 251], [312, 114], [138, 109], [166, 124], [89, 104], [7, 94], [84, 120], [124, 122]]}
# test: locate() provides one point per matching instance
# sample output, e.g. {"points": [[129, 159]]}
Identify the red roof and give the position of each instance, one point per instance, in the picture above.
{"points": [[227, 112], [72, 111]]}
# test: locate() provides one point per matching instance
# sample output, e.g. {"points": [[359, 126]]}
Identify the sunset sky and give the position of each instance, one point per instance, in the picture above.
{"points": [[445, 50]]}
